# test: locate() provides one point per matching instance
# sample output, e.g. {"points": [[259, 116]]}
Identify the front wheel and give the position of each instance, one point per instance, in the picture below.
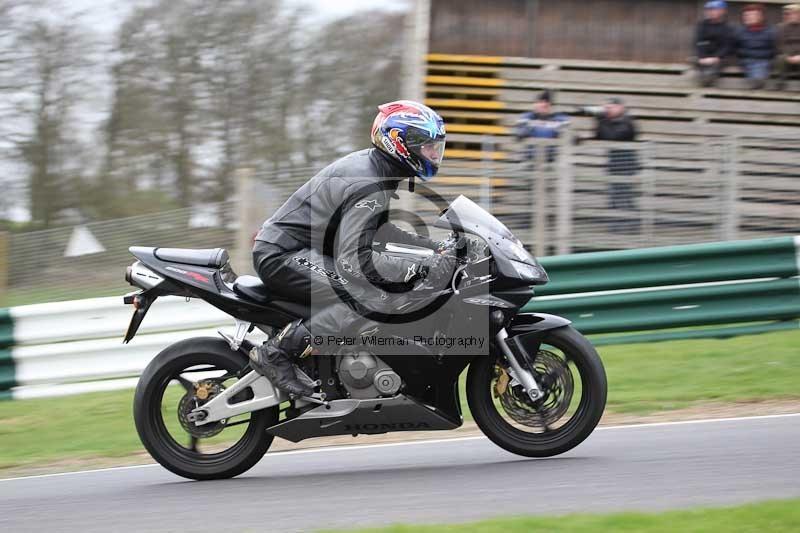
{"points": [[573, 380]]}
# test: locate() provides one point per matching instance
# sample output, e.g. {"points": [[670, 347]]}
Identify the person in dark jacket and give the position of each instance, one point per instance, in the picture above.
{"points": [[755, 44], [541, 123], [788, 43], [317, 249], [713, 42], [615, 124]]}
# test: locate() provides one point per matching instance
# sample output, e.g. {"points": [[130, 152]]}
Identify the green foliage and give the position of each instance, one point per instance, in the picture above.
{"points": [[12, 226], [138, 202]]}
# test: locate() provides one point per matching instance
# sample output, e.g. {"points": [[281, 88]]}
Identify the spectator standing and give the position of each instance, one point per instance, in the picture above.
{"points": [[788, 43], [713, 42], [755, 42], [541, 123], [615, 124]]}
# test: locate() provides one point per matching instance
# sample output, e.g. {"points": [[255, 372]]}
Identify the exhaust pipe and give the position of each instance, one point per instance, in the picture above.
{"points": [[140, 276]]}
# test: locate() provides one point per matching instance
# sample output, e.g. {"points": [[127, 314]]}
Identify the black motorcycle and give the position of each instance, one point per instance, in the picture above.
{"points": [[537, 388]]}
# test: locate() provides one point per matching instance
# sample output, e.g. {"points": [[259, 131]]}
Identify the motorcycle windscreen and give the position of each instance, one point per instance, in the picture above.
{"points": [[464, 215]]}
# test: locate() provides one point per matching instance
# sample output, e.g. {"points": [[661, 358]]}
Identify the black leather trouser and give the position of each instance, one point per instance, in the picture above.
{"points": [[305, 276]]}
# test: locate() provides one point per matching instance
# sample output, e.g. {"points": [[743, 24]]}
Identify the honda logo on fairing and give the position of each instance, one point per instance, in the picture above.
{"points": [[387, 426]]}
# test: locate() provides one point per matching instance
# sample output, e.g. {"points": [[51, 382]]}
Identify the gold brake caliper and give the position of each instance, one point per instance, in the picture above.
{"points": [[501, 384], [201, 391]]}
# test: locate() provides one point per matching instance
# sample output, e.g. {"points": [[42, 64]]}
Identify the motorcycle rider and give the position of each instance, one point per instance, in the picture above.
{"points": [[317, 248]]}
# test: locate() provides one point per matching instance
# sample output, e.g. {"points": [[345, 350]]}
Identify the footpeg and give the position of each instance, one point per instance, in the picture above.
{"points": [[303, 377], [317, 397]]}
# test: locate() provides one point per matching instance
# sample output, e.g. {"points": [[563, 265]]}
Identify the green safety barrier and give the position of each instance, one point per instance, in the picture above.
{"points": [[715, 293], [670, 265], [7, 372], [676, 308]]}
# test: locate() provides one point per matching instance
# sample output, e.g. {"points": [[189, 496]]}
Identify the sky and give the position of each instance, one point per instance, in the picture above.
{"points": [[105, 15]]}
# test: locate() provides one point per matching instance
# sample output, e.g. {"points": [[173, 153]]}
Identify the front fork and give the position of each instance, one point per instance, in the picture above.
{"points": [[518, 373]]}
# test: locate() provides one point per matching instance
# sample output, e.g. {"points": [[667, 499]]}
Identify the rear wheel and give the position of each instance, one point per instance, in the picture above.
{"points": [[571, 375], [180, 378]]}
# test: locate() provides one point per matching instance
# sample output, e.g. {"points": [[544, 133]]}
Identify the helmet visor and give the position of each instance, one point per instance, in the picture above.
{"points": [[432, 151], [425, 147]]}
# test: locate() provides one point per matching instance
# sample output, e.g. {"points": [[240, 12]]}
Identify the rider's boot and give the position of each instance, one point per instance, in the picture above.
{"points": [[275, 358]]}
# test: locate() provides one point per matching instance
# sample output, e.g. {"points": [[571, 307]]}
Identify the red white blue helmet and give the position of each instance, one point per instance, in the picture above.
{"points": [[411, 133]]}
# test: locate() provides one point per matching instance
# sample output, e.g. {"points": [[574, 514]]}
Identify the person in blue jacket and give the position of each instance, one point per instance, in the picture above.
{"points": [[755, 44], [541, 123]]}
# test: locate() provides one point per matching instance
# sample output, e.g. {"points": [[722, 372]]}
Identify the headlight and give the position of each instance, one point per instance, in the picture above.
{"points": [[530, 272], [519, 253]]}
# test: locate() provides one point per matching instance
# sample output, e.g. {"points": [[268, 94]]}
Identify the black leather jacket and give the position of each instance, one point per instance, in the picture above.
{"points": [[621, 161], [342, 211]]}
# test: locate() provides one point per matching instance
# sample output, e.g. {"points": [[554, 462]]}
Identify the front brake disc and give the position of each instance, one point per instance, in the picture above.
{"points": [[557, 393]]}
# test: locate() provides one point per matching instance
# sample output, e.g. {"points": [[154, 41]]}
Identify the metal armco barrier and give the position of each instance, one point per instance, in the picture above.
{"points": [[676, 287], [104, 318], [672, 265], [74, 347]]}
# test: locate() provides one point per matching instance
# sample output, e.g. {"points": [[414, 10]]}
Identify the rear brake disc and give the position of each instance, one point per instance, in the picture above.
{"points": [[204, 391]]}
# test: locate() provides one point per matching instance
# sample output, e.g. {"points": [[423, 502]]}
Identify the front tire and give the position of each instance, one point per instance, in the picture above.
{"points": [[152, 419], [551, 441]]}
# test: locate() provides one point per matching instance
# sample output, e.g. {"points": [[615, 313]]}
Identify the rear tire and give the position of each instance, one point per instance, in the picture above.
{"points": [[587, 415], [150, 426]]}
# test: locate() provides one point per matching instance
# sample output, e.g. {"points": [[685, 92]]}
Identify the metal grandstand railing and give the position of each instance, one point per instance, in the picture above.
{"points": [[561, 196]]}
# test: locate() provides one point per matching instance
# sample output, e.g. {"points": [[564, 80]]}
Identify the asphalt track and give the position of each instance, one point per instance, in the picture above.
{"points": [[648, 467]]}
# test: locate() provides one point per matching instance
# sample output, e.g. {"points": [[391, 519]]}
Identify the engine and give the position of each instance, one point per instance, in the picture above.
{"points": [[366, 376]]}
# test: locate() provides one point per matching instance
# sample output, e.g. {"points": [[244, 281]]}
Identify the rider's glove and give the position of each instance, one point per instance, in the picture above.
{"points": [[439, 269], [451, 244], [445, 245]]}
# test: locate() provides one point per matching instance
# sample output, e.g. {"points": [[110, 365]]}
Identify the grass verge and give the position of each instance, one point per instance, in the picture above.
{"points": [[643, 379], [773, 516]]}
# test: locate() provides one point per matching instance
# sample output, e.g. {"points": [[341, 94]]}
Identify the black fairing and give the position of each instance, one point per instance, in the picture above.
{"points": [[525, 323], [432, 379]]}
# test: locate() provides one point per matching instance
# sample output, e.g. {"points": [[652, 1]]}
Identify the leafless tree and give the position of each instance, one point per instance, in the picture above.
{"points": [[51, 69]]}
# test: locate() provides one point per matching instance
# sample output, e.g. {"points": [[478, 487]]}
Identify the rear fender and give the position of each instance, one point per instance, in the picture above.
{"points": [[141, 301]]}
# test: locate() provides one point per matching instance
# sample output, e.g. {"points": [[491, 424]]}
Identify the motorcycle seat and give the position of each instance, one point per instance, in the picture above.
{"points": [[211, 257], [251, 287]]}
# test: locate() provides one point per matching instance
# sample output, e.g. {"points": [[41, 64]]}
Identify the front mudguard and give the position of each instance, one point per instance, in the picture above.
{"points": [[527, 330]]}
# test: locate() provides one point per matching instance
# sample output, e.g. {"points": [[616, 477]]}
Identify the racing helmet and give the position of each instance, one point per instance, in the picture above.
{"points": [[411, 133]]}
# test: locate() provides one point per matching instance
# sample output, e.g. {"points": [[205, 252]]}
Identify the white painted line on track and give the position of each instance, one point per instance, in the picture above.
{"points": [[422, 441], [698, 421], [96, 470]]}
